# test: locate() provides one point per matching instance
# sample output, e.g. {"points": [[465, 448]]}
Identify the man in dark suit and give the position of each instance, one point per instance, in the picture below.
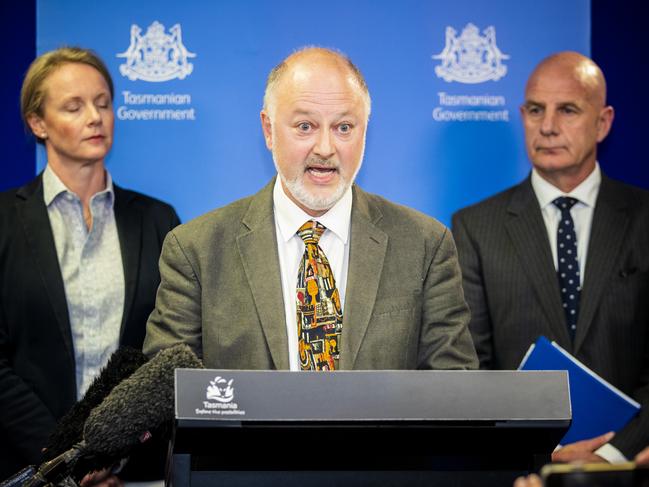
{"points": [[388, 296], [565, 253]]}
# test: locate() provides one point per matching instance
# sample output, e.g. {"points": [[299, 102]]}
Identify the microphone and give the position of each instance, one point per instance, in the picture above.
{"points": [[69, 430], [56, 469], [125, 418], [18, 479], [138, 404]]}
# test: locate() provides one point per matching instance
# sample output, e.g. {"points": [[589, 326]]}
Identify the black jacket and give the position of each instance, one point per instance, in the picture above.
{"points": [[37, 368]]}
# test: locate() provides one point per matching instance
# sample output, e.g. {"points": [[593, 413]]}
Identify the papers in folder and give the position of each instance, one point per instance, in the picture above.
{"points": [[597, 406]]}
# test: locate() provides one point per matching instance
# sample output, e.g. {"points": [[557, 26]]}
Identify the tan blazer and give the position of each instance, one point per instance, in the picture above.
{"points": [[221, 291]]}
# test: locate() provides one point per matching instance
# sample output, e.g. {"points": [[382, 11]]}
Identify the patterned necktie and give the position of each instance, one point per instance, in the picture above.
{"points": [[568, 268], [319, 317]]}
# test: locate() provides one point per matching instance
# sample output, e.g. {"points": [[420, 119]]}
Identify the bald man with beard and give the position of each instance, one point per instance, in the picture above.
{"points": [[236, 284], [525, 276]]}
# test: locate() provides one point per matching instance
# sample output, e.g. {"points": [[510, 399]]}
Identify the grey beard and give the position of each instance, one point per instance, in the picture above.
{"points": [[300, 193], [308, 200]]}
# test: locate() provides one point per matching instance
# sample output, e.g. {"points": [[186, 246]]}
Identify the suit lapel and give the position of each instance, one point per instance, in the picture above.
{"points": [[607, 233], [40, 240], [368, 246], [257, 244], [529, 236], [128, 220]]}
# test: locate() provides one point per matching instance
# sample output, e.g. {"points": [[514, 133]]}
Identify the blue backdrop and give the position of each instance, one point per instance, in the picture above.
{"points": [[417, 152]]}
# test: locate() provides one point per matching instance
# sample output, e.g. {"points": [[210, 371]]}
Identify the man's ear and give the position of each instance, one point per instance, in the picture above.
{"points": [[266, 127], [604, 122]]}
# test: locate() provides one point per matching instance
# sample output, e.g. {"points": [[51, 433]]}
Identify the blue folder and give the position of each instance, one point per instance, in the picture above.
{"points": [[597, 406]]}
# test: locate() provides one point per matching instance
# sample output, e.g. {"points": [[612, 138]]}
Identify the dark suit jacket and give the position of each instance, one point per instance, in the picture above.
{"points": [[221, 290], [37, 368], [513, 292]]}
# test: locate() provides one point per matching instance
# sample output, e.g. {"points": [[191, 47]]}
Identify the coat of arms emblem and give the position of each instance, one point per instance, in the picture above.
{"points": [[156, 56], [471, 57]]}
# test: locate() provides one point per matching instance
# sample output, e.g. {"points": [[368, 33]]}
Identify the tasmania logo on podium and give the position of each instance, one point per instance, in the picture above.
{"points": [[220, 399], [156, 56], [220, 390], [471, 58]]}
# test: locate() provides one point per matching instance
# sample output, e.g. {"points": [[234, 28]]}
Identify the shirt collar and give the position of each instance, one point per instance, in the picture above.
{"points": [[291, 217], [53, 186], [586, 192]]}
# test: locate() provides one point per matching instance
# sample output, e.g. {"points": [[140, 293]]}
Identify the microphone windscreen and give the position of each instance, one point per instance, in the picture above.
{"points": [[69, 430], [137, 405]]}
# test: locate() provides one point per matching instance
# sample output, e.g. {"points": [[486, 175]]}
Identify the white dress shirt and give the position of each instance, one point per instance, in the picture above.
{"points": [[582, 215], [334, 242], [92, 272]]}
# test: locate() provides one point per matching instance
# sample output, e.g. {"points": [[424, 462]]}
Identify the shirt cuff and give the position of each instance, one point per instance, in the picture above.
{"points": [[611, 454]]}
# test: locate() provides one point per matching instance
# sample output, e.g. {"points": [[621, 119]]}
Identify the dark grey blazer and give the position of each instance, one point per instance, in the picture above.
{"points": [[221, 290], [37, 368], [513, 292]]}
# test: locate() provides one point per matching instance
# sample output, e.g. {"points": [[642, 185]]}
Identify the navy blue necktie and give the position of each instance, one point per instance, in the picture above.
{"points": [[568, 268]]}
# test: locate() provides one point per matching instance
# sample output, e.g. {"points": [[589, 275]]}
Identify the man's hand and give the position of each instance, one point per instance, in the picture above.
{"points": [[582, 451], [529, 481], [101, 478], [642, 458]]}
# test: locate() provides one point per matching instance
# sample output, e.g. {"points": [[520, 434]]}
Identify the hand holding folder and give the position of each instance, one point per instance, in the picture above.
{"points": [[597, 406]]}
